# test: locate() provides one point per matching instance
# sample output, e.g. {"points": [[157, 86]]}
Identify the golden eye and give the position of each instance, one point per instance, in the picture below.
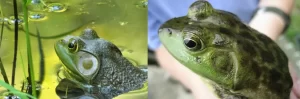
{"points": [[73, 45], [192, 42]]}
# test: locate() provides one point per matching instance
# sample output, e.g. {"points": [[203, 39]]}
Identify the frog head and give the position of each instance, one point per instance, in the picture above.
{"points": [[202, 42], [81, 55]]}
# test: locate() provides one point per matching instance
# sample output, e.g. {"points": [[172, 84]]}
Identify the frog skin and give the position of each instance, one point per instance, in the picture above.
{"points": [[238, 61], [92, 61]]}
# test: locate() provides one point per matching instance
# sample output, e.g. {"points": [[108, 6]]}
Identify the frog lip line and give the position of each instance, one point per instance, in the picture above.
{"points": [[61, 54]]}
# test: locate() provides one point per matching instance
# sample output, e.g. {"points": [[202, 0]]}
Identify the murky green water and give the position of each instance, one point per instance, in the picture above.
{"points": [[123, 22]]}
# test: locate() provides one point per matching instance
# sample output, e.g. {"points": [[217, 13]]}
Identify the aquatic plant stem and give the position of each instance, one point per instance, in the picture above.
{"points": [[2, 27], [3, 72], [23, 66], [16, 42], [15, 91], [42, 60], [2, 69], [29, 55]]}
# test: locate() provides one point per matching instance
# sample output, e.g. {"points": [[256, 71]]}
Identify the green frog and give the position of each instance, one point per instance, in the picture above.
{"points": [[95, 67], [238, 61]]}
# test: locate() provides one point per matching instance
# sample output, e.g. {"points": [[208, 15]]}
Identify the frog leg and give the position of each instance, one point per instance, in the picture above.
{"points": [[68, 89]]}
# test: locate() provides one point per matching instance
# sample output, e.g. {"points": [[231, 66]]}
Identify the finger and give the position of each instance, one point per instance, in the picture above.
{"points": [[296, 82], [296, 89], [293, 96]]}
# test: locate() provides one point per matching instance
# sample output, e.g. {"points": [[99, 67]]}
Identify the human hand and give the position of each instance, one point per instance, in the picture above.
{"points": [[295, 92]]}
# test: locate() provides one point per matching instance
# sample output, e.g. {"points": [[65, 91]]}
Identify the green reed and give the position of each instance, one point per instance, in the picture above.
{"points": [[2, 70], [16, 30], [29, 55], [15, 91]]}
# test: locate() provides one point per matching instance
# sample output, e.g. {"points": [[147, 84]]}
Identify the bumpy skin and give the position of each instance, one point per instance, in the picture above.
{"points": [[113, 74], [240, 62]]}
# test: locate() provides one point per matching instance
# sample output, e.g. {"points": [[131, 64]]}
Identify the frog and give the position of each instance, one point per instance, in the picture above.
{"points": [[95, 67], [238, 61]]}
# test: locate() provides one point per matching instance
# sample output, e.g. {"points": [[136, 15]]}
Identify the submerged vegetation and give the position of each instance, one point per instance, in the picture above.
{"points": [[31, 80], [29, 55], [16, 92], [15, 43]]}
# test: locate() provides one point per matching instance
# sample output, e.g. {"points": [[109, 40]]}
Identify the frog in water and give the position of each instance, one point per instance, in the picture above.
{"points": [[238, 61], [96, 66]]}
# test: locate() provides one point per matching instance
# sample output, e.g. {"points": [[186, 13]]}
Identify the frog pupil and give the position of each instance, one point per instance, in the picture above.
{"points": [[71, 45], [190, 43]]}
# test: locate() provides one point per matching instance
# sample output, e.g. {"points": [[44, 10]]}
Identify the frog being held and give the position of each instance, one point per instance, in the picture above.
{"points": [[97, 65], [238, 61]]}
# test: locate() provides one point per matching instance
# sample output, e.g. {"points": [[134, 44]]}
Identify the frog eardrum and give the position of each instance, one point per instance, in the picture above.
{"points": [[87, 64]]}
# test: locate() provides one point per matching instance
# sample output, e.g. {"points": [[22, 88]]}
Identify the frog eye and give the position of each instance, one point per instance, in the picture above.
{"points": [[73, 45], [193, 43], [200, 10]]}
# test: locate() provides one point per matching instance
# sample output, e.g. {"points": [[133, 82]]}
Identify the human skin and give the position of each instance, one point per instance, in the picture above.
{"points": [[269, 24]]}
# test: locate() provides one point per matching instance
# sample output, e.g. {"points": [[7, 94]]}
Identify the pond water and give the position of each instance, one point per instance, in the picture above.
{"points": [[122, 22]]}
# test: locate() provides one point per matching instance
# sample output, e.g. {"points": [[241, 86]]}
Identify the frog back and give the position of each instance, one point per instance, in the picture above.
{"points": [[263, 61]]}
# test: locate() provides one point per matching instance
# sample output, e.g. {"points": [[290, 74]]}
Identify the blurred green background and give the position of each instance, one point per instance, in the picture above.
{"points": [[293, 32], [290, 41]]}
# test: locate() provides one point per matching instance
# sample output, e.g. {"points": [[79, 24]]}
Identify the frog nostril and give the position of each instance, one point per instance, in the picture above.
{"points": [[62, 41]]}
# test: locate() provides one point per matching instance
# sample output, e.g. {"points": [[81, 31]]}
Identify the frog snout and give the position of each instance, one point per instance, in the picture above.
{"points": [[62, 41], [166, 31]]}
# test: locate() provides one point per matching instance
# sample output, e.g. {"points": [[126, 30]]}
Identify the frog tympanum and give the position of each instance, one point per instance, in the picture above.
{"points": [[238, 61], [95, 67]]}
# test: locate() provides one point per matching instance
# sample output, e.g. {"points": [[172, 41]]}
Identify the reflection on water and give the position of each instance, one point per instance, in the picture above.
{"points": [[123, 22]]}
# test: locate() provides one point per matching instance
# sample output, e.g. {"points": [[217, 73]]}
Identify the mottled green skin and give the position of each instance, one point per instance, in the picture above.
{"points": [[239, 61], [114, 74]]}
